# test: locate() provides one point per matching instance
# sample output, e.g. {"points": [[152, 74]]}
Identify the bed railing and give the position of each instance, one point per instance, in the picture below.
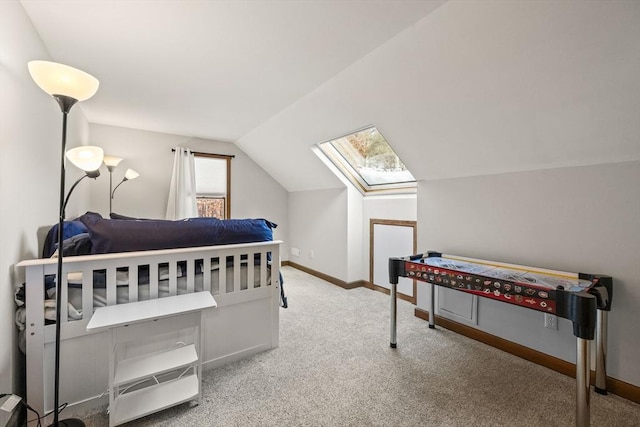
{"points": [[249, 273], [170, 262]]}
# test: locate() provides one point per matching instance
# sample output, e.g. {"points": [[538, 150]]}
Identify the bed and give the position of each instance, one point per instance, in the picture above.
{"points": [[134, 260]]}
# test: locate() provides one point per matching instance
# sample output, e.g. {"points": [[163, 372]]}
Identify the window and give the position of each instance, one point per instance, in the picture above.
{"points": [[369, 162], [211, 207], [213, 184]]}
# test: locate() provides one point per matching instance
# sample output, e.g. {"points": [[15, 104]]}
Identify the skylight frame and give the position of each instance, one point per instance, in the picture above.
{"points": [[337, 159]]}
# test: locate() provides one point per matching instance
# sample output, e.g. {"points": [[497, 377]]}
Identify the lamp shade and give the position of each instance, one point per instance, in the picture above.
{"points": [[86, 157], [131, 174], [112, 161], [59, 79]]}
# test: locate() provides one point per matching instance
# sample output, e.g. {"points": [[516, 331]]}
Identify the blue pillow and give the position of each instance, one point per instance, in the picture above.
{"points": [[69, 229]]}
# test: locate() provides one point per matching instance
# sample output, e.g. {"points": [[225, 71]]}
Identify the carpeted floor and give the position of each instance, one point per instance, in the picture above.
{"points": [[334, 367]]}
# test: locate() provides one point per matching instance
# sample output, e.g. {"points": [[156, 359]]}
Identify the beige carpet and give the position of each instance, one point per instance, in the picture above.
{"points": [[334, 367]]}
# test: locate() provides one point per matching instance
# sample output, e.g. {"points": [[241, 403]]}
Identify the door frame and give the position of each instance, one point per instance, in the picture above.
{"points": [[398, 223]]}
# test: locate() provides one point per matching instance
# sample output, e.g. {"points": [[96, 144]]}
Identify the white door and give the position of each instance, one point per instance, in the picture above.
{"points": [[392, 239]]}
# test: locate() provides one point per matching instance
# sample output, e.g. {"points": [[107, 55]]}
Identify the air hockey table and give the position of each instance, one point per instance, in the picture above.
{"points": [[585, 299]]}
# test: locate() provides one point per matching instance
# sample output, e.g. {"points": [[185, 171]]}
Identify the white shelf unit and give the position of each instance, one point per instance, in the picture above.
{"points": [[134, 321], [148, 400], [137, 368]]}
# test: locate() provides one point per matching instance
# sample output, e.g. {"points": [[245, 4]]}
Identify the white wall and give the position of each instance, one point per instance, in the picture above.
{"points": [[254, 194], [356, 235], [393, 207], [359, 210], [30, 148], [318, 222], [580, 219], [337, 222]]}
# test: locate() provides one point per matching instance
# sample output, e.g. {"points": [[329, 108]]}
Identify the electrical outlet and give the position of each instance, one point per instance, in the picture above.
{"points": [[311, 254], [550, 321], [295, 251]]}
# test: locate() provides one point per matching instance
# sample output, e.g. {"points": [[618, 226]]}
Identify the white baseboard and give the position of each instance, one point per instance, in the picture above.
{"points": [[234, 357]]}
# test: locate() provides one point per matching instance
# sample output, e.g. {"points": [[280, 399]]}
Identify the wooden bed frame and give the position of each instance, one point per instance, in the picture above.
{"points": [[246, 321]]}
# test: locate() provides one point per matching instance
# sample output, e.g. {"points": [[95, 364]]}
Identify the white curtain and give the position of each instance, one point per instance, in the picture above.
{"points": [[182, 191]]}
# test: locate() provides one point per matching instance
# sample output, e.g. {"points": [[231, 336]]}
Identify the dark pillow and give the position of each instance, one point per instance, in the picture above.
{"points": [[69, 229], [116, 235], [80, 244], [114, 215]]}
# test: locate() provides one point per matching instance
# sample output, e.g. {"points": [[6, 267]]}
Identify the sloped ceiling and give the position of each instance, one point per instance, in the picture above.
{"points": [[459, 89], [212, 69], [478, 88]]}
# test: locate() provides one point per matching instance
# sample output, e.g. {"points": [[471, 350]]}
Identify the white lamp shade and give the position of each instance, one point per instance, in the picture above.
{"points": [[131, 174], [86, 157], [59, 79], [112, 161]]}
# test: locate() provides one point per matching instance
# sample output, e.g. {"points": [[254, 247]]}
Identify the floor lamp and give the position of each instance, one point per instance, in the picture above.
{"points": [[111, 162], [128, 176], [67, 85]]}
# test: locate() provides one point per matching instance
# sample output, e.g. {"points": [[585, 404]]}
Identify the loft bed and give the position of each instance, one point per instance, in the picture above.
{"points": [[117, 261]]}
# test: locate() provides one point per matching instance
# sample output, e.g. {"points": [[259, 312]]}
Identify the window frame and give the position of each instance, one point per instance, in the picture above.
{"points": [[227, 198], [331, 153]]}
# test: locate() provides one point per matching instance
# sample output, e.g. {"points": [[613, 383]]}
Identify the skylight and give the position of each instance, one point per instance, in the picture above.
{"points": [[369, 162]]}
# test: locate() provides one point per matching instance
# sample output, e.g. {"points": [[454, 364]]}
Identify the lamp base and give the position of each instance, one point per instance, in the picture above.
{"points": [[70, 422]]}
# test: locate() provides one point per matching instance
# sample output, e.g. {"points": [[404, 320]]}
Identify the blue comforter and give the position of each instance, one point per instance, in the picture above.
{"points": [[120, 235]]}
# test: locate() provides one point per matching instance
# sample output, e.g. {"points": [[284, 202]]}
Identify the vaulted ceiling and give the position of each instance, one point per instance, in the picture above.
{"points": [[458, 88], [212, 69]]}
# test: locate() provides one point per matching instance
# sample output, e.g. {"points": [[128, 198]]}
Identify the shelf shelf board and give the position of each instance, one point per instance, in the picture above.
{"points": [[139, 403], [145, 366]]}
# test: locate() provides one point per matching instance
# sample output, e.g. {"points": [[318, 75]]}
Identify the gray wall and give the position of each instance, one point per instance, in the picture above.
{"points": [[30, 148], [579, 219], [318, 222], [254, 194], [334, 224]]}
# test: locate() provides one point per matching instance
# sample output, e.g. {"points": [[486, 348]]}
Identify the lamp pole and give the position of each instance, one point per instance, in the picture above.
{"points": [[110, 186], [65, 102], [128, 176], [111, 162]]}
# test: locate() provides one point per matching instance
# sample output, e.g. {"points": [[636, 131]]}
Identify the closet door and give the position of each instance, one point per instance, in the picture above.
{"points": [[391, 238]]}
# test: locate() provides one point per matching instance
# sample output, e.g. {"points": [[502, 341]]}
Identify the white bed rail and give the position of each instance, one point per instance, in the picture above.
{"points": [[242, 279]]}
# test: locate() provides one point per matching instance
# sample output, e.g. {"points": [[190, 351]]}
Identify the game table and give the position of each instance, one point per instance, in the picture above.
{"points": [[582, 298]]}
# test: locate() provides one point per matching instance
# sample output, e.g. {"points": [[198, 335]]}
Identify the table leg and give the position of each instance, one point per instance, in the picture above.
{"points": [[112, 366], [582, 382], [394, 314], [601, 353], [432, 307]]}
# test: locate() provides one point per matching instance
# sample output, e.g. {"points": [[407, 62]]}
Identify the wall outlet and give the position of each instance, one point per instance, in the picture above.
{"points": [[550, 321], [311, 254], [295, 251]]}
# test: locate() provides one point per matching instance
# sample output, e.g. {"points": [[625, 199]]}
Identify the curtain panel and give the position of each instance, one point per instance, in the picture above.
{"points": [[182, 191]]}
